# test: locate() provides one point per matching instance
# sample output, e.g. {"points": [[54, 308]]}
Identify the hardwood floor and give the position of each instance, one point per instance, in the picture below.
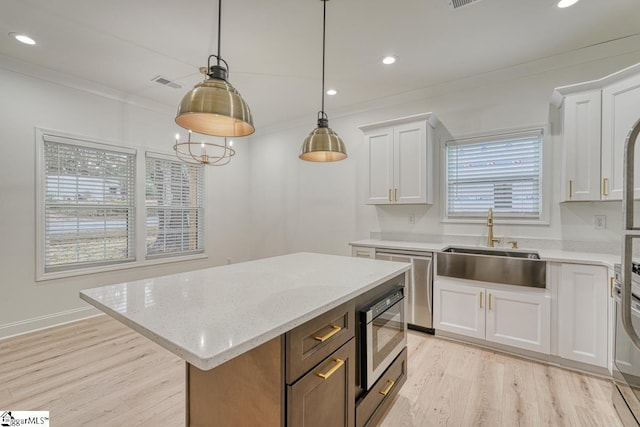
{"points": [[98, 372], [454, 384]]}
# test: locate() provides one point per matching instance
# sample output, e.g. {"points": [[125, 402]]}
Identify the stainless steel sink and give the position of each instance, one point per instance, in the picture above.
{"points": [[512, 267]]}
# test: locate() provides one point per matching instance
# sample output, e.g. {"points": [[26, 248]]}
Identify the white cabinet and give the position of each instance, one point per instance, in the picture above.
{"points": [[458, 308], [597, 117], [400, 160], [620, 111], [519, 319], [515, 318], [582, 313], [363, 252], [581, 146]]}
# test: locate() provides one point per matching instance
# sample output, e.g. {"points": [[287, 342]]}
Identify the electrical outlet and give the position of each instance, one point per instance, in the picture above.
{"points": [[599, 222], [412, 218]]}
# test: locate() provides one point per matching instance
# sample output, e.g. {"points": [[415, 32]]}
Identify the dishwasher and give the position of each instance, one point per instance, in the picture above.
{"points": [[419, 286]]}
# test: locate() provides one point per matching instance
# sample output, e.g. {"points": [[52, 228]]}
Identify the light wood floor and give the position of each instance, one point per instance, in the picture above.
{"points": [[98, 372]]}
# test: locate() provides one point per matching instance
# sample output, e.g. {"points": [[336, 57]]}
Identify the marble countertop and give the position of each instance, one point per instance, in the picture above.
{"points": [[210, 316], [553, 255]]}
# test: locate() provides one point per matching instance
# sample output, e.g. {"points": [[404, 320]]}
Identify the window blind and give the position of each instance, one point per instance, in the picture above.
{"points": [[88, 205], [174, 206], [502, 172]]}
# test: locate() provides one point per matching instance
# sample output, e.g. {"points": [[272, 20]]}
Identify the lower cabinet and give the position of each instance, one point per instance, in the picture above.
{"points": [[516, 318], [325, 395], [374, 405], [583, 296]]}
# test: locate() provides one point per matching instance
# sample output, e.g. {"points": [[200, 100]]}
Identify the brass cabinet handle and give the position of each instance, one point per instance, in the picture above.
{"points": [[481, 298], [611, 287], [605, 184], [362, 254], [396, 194], [334, 330], [339, 362], [570, 189], [390, 195], [489, 302], [388, 388]]}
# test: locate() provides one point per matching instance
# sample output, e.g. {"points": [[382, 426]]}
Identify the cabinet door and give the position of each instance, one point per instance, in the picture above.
{"points": [[458, 308], [581, 146], [380, 149], [410, 163], [619, 113], [519, 319], [325, 396], [583, 296]]}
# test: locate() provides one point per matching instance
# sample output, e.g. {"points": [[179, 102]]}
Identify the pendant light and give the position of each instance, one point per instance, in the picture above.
{"points": [[323, 144], [214, 107]]}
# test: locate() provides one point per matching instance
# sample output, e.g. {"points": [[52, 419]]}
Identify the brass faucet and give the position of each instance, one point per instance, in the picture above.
{"points": [[490, 239]]}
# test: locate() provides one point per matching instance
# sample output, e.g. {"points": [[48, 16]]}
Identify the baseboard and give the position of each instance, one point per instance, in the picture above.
{"points": [[9, 330]]}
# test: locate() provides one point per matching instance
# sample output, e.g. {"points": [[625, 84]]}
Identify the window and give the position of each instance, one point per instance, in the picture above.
{"points": [[89, 204], [102, 207], [502, 172], [174, 193]]}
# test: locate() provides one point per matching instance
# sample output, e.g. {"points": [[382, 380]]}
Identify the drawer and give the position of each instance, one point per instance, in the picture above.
{"points": [[374, 405], [310, 343]]}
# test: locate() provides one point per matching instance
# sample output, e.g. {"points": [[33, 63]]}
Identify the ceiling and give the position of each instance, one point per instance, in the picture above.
{"points": [[274, 47]]}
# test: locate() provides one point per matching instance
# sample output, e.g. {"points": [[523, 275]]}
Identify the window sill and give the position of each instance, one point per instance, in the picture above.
{"points": [[41, 277]]}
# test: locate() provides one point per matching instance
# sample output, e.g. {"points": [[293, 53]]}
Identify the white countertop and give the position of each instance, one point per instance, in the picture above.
{"points": [[210, 316], [553, 255]]}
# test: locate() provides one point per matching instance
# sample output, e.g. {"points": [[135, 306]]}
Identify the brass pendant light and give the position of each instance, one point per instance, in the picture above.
{"points": [[214, 107], [323, 144]]}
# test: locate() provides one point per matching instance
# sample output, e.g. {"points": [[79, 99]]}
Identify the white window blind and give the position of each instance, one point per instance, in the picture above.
{"points": [[89, 204], [502, 172], [174, 204]]}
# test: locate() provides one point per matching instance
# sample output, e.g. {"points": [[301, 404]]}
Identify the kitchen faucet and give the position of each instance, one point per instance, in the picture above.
{"points": [[490, 239]]}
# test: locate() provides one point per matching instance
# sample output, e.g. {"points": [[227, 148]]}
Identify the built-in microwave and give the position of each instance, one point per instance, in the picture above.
{"points": [[383, 335]]}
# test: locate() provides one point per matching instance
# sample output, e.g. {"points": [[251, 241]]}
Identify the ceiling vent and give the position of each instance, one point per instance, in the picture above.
{"points": [[166, 82], [456, 4]]}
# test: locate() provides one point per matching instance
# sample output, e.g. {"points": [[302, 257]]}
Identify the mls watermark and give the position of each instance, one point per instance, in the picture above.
{"points": [[24, 418]]}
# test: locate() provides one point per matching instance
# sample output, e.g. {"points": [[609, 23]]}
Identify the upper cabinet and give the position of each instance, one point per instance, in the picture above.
{"points": [[400, 155], [597, 117], [620, 111]]}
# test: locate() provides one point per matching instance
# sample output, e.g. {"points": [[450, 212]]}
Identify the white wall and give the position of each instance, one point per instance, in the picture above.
{"points": [[28, 102], [321, 207], [267, 202]]}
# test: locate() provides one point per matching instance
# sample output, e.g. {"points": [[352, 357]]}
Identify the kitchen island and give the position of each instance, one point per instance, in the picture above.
{"points": [[252, 332]]}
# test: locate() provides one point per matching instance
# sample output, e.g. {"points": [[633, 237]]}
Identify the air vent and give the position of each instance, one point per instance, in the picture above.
{"points": [[166, 82], [456, 4]]}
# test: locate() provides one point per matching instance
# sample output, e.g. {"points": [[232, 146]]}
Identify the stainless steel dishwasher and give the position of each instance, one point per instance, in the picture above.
{"points": [[419, 286]]}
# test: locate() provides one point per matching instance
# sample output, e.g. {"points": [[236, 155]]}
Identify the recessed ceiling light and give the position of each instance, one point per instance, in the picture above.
{"points": [[388, 60], [331, 92], [566, 3], [23, 39]]}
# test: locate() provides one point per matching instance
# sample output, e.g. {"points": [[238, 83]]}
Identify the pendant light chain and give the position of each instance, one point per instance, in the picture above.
{"points": [[219, 27], [324, 28]]}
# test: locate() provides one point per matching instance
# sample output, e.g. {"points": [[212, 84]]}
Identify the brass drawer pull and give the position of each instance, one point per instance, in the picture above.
{"points": [[396, 194], [481, 298], [335, 329], [362, 254], [489, 302], [389, 194], [388, 388], [605, 184], [339, 363]]}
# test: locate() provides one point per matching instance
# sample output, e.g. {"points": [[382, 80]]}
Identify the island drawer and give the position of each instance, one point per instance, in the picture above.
{"points": [[310, 343], [374, 405]]}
